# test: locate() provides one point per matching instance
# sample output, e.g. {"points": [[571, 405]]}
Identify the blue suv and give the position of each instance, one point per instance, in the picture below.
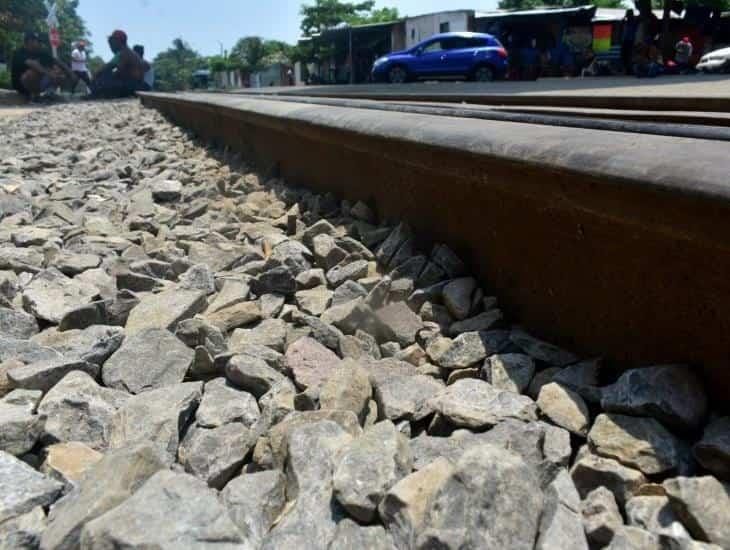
{"points": [[476, 56]]}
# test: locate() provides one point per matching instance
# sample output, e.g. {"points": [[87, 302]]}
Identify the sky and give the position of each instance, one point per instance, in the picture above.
{"points": [[209, 25]]}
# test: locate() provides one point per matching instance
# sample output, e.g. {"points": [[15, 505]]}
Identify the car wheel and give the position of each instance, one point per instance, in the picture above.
{"points": [[483, 73], [397, 75]]}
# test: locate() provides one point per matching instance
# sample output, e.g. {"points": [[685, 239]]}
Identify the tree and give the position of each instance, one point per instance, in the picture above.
{"points": [[531, 4], [383, 15], [325, 14], [71, 27], [254, 54], [175, 66]]}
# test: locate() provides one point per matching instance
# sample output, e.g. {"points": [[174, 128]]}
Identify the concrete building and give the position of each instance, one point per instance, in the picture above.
{"points": [[422, 27]]}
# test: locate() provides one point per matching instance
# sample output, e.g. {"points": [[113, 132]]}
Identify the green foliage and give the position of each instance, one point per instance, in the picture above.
{"points": [[175, 66], [5, 80], [95, 63], [18, 16], [325, 14], [383, 15], [532, 4], [253, 53]]}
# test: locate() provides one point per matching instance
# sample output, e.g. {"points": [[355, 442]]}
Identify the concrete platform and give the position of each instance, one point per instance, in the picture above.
{"points": [[663, 93], [610, 243]]}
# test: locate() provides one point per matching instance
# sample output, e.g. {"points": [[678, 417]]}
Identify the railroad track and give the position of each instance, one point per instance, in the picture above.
{"points": [[605, 231]]}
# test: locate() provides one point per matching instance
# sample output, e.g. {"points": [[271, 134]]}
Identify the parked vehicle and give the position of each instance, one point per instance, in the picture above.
{"points": [[471, 55], [715, 62]]}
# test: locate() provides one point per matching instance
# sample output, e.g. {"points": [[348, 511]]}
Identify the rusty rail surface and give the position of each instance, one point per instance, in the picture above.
{"points": [[608, 243]]}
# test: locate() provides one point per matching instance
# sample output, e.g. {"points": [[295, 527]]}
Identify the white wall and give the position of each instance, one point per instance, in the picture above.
{"points": [[424, 26]]}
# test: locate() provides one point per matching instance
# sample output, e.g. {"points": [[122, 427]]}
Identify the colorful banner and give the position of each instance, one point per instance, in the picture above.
{"points": [[602, 37]]}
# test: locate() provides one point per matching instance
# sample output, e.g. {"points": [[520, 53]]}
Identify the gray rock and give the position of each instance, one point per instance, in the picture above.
{"points": [[94, 313], [582, 378], [73, 264], [50, 295], [655, 514], [167, 191], [392, 243], [561, 525], [78, 409], [313, 453], [271, 305], [197, 332], [468, 349], [540, 350], [326, 252], [590, 472], [397, 323], [215, 455], [472, 403], [269, 332], [348, 389], [68, 462], [703, 506], [272, 449], [23, 531], [347, 272], [350, 534], [509, 371], [601, 516], [20, 259], [233, 292], [24, 351], [252, 374], [348, 291], [224, 404], [198, 277], [565, 408], [542, 378], [311, 279], [713, 451], [185, 514], [314, 301], [484, 321], [149, 359], [370, 466], [361, 344], [673, 394], [236, 315], [218, 257], [19, 428], [43, 375], [457, 297], [93, 344], [165, 310], [28, 400], [406, 397], [254, 501], [17, 324], [404, 507], [641, 443], [465, 513], [633, 538], [158, 416], [447, 260], [278, 280], [310, 363], [350, 316], [22, 488]]}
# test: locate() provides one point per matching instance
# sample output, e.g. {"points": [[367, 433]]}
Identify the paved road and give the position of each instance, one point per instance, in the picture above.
{"points": [[670, 86]]}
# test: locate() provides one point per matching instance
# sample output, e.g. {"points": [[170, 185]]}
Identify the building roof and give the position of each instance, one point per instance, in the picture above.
{"points": [[617, 14], [502, 14]]}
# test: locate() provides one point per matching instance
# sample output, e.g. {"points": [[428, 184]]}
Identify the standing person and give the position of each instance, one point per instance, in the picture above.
{"points": [[78, 65], [683, 53], [628, 38], [149, 76], [33, 70], [123, 76]]}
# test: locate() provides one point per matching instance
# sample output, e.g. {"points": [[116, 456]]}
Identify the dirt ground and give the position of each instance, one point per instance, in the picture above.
{"points": [[14, 112]]}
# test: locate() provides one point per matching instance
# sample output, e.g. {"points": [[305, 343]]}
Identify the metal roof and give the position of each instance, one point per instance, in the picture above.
{"points": [[499, 14]]}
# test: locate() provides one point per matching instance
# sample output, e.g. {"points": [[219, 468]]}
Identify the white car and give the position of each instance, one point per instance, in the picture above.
{"points": [[715, 62]]}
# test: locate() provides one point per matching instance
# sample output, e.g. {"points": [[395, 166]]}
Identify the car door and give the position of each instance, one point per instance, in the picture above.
{"points": [[428, 59], [458, 56]]}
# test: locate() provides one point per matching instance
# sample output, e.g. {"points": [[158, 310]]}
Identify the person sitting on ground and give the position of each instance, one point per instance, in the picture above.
{"points": [[123, 76], [149, 76], [78, 65], [683, 53], [33, 69]]}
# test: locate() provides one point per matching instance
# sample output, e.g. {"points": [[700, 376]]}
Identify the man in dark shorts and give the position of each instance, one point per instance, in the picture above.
{"points": [[33, 69], [123, 76]]}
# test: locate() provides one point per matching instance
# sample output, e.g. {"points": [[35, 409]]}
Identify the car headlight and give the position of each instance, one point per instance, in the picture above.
{"points": [[380, 61]]}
